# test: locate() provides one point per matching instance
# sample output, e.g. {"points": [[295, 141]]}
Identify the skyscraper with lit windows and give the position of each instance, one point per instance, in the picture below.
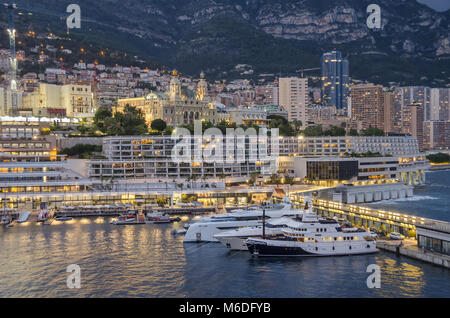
{"points": [[335, 79]]}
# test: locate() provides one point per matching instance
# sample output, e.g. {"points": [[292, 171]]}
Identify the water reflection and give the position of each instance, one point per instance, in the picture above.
{"points": [[148, 261], [405, 280]]}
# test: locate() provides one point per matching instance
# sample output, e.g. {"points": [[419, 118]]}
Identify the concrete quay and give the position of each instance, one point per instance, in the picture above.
{"points": [[437, 167], [409, 248], [372, 193]]}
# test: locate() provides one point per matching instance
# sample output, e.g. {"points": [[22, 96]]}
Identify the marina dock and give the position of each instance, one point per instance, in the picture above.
{"points": [[409, 248], [367, 217], [437, 167], [119, 211], [432, 234]]}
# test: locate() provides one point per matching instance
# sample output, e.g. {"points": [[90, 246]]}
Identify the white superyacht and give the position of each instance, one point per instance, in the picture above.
{"points": [[314, 237], [204, 229], [236, 240]]}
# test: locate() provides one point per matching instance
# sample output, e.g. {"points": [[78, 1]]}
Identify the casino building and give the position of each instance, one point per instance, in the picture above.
{"points": [[176, 107]]}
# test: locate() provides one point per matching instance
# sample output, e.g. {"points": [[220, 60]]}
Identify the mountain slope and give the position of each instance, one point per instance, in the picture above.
{"points": [[274, 36]]}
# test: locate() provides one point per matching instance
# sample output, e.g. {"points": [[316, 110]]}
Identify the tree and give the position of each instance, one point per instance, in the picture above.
{"points": [[337, 131], [81, 150], [288, 179], [223, 125], [286, 130], [313, 131], [112, 127], [372, 131], [439, 158], [161, 202], [274, 179], [277, 118], [132, 121], [253, 177], [159, 125], [297, 126], [100, 116], [83, 129], [168, 131]]}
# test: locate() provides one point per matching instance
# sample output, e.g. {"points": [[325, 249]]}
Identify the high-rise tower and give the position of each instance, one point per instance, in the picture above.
{"points": [[335, 79]]}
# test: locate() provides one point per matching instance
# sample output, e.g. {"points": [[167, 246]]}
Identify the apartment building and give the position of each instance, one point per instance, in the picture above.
{"points": [[412, 122], [138, 157], [293, 96], [333, 146], [72, 100], [436, 135], [367, 105]]}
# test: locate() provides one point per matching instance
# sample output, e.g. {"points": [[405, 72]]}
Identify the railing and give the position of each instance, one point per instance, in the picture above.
{"points": [[405, 221], [437, 226]]}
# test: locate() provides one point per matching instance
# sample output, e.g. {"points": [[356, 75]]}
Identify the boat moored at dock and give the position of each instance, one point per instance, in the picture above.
{"points": [[44, 214], [63, 219], [236, 240], [204, 229], [23, 217], [129, 219], [314, 237], [158, 217]]}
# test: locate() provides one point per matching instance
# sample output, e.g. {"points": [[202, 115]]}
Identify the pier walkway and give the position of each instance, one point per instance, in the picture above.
{"points": [[118, 212], [410, 249], [381, 220]]}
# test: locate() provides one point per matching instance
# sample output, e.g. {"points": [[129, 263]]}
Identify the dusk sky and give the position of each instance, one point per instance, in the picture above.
{"points": [[439, 5]]}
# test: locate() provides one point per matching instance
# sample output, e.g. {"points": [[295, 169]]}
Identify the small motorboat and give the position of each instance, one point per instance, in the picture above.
{"points": [[155, 218], [63, 219], [43, 216], [179, 232], [5, 220], [23, 217], [128, 219]]}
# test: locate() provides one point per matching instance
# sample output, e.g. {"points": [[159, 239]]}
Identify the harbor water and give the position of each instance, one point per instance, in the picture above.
{"points": [[148, 261], [431, 200]]}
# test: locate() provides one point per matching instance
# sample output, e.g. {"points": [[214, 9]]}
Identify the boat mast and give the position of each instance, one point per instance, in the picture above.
{"points": [[264, 223]]}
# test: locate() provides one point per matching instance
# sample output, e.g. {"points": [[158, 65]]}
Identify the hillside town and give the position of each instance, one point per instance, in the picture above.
{"points": [[128, 171]]}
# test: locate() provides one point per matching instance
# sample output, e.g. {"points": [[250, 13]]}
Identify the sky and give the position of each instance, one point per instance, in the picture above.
{"points": [[438, 5]]}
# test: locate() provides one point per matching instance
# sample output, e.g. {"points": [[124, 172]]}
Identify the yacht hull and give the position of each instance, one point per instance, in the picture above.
{"points": [[296, 249], [234, 243], [205, 232]]}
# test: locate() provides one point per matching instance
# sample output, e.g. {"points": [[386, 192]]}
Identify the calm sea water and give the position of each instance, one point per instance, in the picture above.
{"points": [[147, 261]]}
